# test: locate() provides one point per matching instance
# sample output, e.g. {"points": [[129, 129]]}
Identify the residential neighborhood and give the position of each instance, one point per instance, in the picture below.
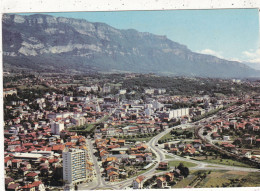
{"points": [[72, 133]]}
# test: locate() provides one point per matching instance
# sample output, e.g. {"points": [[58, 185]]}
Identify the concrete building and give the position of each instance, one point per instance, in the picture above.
{"points": [[57, 127], [176, 113], [74, 166], [78, 121]]}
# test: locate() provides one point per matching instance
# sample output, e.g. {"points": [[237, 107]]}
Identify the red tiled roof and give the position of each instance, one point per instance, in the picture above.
{"points": [[28, 186], [58, 147], [36, 183], [16, 160], [112, 173], [13, 186], [31, 174], [140, 179]]}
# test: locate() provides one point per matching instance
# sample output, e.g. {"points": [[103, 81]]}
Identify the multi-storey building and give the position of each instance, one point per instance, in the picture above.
{"points": [[57, 127], [74, 166]]}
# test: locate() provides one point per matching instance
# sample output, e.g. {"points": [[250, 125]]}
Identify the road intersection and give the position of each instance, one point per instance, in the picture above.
{"points": [[100, 183]]}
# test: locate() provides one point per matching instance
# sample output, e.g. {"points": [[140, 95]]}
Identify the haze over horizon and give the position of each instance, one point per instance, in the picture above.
{"points": [[231, 34]]}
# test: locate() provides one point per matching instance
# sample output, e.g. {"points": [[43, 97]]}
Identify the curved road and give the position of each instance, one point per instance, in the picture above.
{"points": [[160, 157]]}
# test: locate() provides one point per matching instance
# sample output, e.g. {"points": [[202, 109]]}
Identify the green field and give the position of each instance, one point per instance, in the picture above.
{"points": [[165, 137], [218, 160], [221, 178], [146, 139], [88, 127], [168, 157], [228, 162], [177, 162]]}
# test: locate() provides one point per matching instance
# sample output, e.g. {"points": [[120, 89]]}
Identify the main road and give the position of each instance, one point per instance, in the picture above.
{"points": [[160, 157]]}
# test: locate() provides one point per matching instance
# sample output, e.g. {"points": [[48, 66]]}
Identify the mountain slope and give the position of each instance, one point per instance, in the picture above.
{"points": [[43, 42]]}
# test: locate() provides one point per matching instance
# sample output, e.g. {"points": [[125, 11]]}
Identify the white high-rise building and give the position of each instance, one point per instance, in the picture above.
{"points": [[74, 166], [176, 113]]}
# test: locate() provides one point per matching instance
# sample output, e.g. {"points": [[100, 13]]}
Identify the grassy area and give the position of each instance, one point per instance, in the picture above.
{"points": [[185, 182], [221, 178], [165, 137], [229, 162], [102, 119], [210, 166], [146, 139], [142, 171], [168, 157], [177, 162], [218, 160], [88, 127]]}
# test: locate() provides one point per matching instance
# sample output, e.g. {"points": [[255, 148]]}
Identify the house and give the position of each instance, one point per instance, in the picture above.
{"points": [[32, 176], [39, 186], [16, 163], [8, 181], [29, 187], [121, 142], [138, 182], [8, 161], [163, 166], [161, 182], [247, 154], [13, 187], [215, 135], [114, 164], [113, 176], [257, 142], [174, 151], [148, 158], [111, 168], [169, 176]]}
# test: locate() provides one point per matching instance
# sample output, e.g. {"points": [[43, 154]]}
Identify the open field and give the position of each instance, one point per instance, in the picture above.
{"points": [[229, 162], [168, 157], [220, 178], [89, 127], [177, 162], [146, 139], [167, 136]]}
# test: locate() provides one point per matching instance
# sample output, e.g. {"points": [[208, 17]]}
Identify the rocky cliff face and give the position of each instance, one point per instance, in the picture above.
{"points": [[43, 42]]}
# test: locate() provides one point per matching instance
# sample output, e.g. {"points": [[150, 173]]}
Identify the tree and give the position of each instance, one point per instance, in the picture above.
{"points": [[183, 170]]}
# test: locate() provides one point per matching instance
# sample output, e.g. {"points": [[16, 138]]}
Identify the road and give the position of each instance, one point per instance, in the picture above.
{"points": [[160, 157], [98, 180]]}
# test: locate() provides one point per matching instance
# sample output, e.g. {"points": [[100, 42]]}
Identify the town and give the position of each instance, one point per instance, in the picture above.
{"points": [[129, 131]]}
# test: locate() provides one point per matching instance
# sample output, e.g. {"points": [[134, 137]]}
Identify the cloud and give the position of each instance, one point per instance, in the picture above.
{"points": [[211, 52], [252, 56], [235, 59]]}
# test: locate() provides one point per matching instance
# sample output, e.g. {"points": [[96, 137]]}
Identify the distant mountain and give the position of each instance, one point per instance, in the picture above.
{"points": [[47, 43], [253, 65]]}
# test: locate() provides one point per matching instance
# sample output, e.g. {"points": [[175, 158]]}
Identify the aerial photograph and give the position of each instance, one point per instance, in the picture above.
{"points": [[126, 100]]}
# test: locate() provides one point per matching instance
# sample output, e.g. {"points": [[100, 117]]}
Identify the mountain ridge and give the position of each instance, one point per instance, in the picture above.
{"points": [[45, 42]]}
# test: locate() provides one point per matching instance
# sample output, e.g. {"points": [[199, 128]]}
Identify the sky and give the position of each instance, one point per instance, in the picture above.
{"points": [[232, 34]]}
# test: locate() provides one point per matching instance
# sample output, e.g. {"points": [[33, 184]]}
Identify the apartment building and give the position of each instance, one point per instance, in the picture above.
{"points": [[74, 165]]}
